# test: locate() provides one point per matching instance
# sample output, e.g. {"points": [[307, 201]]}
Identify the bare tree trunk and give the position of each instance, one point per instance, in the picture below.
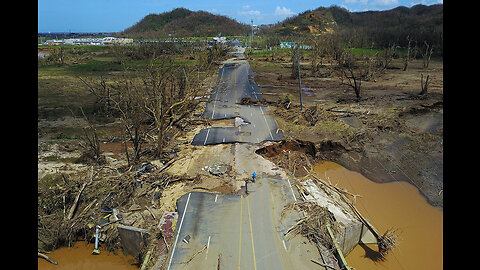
{"points": [[126, 149], [387, 56], [160, 136], [427, 55], [354, 80], [407, 57], [424, 85], [93, 144]]}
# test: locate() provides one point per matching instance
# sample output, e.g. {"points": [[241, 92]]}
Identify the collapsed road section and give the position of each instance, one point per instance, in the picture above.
{"points": [[275, 222], [256, 125]]}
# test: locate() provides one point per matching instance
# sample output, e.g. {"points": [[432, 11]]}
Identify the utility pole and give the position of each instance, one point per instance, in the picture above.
{"points": [[299, 81], [251, 40]]}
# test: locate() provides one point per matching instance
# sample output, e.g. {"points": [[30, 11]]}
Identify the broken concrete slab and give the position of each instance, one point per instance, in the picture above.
{"points": [[218, 169], [239, 121], [133, 239], [352, 230]]}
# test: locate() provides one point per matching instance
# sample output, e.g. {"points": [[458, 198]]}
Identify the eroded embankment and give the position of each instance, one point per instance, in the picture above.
{"points": [[386, 205], [299, 157], [396, 204]]}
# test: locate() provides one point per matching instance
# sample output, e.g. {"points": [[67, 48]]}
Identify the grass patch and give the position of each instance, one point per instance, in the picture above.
{"points": [[95, 66], [50, 180]]}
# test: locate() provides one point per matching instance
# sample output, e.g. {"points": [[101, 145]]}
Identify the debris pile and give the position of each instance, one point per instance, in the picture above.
{"points": [[251, 101], [313, 225], [385, 242], [74, 205]]}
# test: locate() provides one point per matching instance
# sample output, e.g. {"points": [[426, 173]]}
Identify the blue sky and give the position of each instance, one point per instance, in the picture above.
{"points": [[117, 15]]}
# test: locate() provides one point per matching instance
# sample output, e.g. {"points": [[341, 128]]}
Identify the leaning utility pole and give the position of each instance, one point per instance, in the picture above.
{"points": [[299, 81]]}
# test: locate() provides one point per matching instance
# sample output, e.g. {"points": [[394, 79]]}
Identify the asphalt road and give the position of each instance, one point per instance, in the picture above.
{"points": [[247, 230], [257, 125], [239, 231]]}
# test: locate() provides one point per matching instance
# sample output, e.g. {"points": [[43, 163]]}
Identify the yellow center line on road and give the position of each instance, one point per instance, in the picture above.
{"points": [[240, 238], [251, 235], [235, 84]]}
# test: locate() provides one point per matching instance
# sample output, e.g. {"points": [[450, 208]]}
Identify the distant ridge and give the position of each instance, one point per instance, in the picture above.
{"points": [[420, 22], [182, 22]]}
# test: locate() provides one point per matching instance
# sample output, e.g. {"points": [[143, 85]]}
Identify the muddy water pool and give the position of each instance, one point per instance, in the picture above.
{"points": [[79, 257], [396, 205]]}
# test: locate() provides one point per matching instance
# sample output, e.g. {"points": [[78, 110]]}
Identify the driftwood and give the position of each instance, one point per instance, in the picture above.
{"points": [[150, 211], [43, 256], [169, 163], [145, 261], [335, 188], [312, 225], [74, 206], [75, 202], [385, 242]]}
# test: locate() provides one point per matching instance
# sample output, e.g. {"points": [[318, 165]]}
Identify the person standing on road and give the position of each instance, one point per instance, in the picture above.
{"points": [[254, 175]]}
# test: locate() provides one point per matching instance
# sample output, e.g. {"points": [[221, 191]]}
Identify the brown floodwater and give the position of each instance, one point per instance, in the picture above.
{"points": [[396, 205], [79, 257]]}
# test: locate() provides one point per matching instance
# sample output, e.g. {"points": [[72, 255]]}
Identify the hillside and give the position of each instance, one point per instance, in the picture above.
{"points": [[311, 21], [182, 22], [381, 28]]}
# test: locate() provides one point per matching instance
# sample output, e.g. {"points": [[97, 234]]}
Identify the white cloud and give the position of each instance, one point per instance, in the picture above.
{"points": [[283, 11], [246, 11], [364, 2], [384, 2], [250, 12], [425, 2]]}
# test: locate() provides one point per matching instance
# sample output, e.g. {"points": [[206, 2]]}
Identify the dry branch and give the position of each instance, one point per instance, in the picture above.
{"points": [[75, 202], [313, 225], [385, 242], [43, 256]]}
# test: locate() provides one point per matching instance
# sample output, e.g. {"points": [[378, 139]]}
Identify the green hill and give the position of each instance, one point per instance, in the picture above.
{"points": [[182, 22], [380, 28]]}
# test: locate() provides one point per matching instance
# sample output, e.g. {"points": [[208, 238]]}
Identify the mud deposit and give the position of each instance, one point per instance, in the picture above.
{"points": [[79, 257], [396, 205]]}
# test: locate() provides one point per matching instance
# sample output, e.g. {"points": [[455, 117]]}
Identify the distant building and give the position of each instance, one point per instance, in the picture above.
{"points": [[220, 39], [90, 41], [289, 44], [54, 42]]}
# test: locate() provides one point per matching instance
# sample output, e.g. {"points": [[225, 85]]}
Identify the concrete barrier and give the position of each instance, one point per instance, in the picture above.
{"points": [[133, 239], [352, 230]]}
